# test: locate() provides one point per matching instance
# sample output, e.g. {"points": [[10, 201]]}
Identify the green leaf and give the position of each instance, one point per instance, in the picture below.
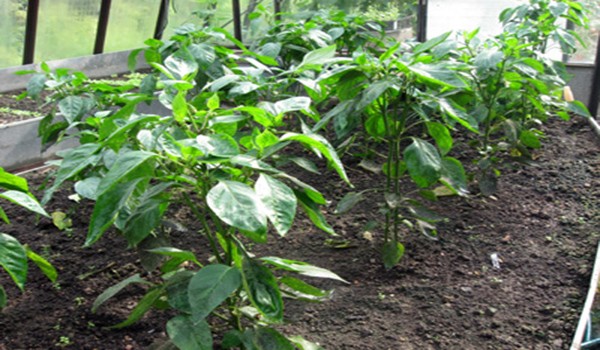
{"points": [[373, 92], [74, 162], [319, 143], [314, 214], [317, 58], [87, 188], [147, 215], [143, 306], [180, 107], [431, 43], [454, 176], [303, 344], [128, 166], [292, 104], [237, 205], [579, 108], [9, 181], [13, 258], [107, 207], [181, 64], [488, 58], [219, 145], [302, 268], [304, 288], [183, 255], [112, 291], [242, 88], [391, 253], [189, 335], [530, 139], [423, 162], [279, 200], [350, 200], [441, 135], [263, 338], [72, 108], [47, 269], [25, 200], [210, 287], [262, 289], [36, 85], [437, 74]]}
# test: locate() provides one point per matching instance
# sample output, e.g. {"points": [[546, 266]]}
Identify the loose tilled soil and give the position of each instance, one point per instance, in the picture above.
{"points": [[544, 224]]}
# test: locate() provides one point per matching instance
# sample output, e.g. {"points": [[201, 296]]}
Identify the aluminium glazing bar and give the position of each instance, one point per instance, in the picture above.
{"points": [[163, 19], [102, 26], [422, 21], [33, 8], [237, 20]]}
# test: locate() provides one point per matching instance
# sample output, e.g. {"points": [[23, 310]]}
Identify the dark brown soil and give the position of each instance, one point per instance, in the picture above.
{"points": [[543, 224], [12, 110]]}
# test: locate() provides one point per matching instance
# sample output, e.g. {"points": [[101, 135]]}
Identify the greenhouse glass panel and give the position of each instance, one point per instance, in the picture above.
{"points": [[587, 53], [210, 13], [66, 28], [13, 14], [399, 16], [131, 22], [257, 17]]}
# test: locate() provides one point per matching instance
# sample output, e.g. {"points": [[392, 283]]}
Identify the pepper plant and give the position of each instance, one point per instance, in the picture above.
{"points": [[14, 256], [217, 161], [516, 85], [395, 99]]}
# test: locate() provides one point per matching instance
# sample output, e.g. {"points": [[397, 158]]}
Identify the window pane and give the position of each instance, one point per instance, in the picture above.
{"points": [[400, 16], [590, 36], [131, 22], [66, 28], [12, 32], [213, 13]]}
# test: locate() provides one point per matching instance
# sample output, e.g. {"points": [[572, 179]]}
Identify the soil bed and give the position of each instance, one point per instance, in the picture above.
{"points": [[543, 224]]}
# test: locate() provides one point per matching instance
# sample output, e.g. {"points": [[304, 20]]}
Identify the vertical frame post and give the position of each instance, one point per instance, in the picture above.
{"points": [[102, 26], [162, 20], [33, 9], [277, 9], [595, 97], [237, 20], [422, 21]]}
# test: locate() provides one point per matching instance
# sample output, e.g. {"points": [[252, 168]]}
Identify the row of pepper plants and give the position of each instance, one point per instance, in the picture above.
{"points": [[221, 149]]}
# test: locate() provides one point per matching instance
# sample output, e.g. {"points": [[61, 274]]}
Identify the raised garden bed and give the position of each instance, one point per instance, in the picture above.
{"points": [[543, 224]]}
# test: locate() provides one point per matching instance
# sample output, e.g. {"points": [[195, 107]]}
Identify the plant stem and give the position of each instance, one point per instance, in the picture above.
{"points": [[207, 229]]}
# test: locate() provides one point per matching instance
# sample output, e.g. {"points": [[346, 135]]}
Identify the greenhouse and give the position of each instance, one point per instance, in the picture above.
{"points": [[299, 174]]}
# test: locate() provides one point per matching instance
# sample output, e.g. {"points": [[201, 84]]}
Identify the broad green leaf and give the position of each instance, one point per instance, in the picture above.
{"points": [[373, 92], [488, 58], [213, 102], [126, 168], [9, 181], [454, 176], [314, 213], [107, 207], [579, 108], [36, 85], [3, 216], [455, 112], [441, 135], [303, 344], [530, 139], [266, 139], [437, 74], [270, 50], [292, 104], [183, 255], [237, 205], [189, 335], [391, 253], [177, 285], [144, 219], [302, 288], [302, 268], [431, 43], [25, 200], [350, 200], [13, 258], [243, 88], [143, 306], [279, 200], [317, 58], [320, 144], [72, 108], [112, 291], [219, 145], [210, 287], [312, 193], [180, 107], [47, 269], [423, 162], [74, 162], [305, 164], [262, 289], [87, 188], [181, 64], [263, 338]]}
